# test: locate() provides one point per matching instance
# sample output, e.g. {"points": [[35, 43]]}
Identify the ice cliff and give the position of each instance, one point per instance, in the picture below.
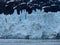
{"points": [[36, 25]]}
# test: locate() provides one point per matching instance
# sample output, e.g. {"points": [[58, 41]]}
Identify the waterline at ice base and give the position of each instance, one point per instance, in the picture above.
{"points": [[37, 25]]}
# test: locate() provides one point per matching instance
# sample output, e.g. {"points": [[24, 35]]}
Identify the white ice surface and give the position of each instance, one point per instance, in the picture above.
{"points": [[35, 25]]}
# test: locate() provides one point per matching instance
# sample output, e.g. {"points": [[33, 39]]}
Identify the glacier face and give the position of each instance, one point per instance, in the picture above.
{"points": [[36, 25]]}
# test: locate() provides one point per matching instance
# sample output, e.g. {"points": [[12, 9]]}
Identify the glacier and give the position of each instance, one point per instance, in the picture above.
{"points": [[37, 25]]}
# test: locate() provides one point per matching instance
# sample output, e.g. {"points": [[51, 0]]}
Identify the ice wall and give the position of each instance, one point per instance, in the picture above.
{"points": [[37, 25]]}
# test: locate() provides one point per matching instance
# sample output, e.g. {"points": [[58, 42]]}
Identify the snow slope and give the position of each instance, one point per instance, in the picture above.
{"points": [[34, 26]]}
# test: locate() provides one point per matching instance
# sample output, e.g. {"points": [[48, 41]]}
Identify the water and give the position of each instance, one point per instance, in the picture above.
{"points": [[28, 42]]}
